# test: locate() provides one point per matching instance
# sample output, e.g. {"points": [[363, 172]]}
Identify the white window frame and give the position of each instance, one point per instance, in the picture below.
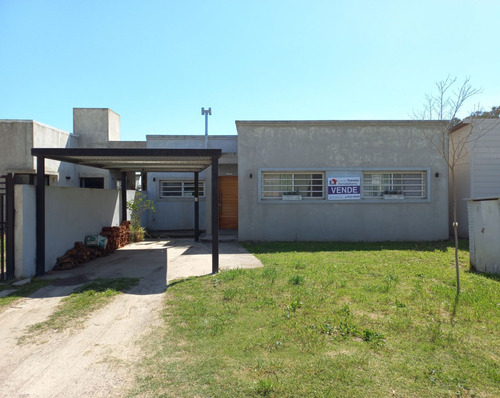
{"points": [[291, 180], [410, 184], [186, 189]]}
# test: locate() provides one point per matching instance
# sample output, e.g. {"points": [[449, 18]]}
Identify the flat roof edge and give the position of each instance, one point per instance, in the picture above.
{"points": [[333, 122], [189, 137], [125, 152]]}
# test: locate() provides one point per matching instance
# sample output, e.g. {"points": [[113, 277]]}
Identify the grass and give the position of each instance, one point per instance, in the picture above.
{"points": [[21, 291], [74, 309], [330, 320]]}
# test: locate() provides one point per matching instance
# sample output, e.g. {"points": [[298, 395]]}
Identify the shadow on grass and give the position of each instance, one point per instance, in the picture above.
{"points": [[186, 279], [311, 247], [484, 274]]}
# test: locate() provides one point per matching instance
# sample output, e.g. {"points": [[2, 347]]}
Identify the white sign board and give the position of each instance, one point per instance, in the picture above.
{"points": [[344, 188]]}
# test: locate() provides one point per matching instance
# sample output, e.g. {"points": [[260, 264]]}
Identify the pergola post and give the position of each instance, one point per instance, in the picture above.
{"points": [[196, 208], [215, 214], [124, 196], [40, 216], [9, 239]]}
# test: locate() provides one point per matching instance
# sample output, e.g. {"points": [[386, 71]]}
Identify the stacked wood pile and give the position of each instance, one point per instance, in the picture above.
{"points": [[80, 253], [117, 236]]}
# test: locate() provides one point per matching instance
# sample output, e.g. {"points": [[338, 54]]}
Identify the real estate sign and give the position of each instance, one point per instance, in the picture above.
{"points": [[344, 188]]}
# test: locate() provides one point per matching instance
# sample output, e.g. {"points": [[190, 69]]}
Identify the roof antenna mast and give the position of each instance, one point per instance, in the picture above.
{"points": [[206, 112]]}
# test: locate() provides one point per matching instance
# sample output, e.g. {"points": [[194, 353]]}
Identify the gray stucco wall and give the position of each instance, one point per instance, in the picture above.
{"points": [[178, 213], [19, 136], [462, 185], [342, 148], [16, 137], [173, 213], [96, 126]]}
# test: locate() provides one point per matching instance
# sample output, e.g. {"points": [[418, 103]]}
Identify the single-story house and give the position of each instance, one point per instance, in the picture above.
{"points": [[278, 180]]}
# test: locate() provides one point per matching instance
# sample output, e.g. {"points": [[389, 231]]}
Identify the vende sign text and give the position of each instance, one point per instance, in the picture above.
{"points": [[344, 188]]}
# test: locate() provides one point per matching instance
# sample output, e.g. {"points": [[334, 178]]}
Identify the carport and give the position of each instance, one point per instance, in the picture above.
{"points": [[130, 159]]}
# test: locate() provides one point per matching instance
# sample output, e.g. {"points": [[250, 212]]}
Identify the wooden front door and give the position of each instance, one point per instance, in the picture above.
{"points": [[228, 202]]}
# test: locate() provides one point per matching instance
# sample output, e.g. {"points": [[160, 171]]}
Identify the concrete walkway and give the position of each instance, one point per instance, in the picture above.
{"points": [[159, 262]]}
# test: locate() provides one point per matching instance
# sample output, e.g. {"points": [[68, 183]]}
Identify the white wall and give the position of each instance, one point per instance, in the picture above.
{"points": [[484, 231], [70, 215], [485, 159], [24, 230], [478, 170]]}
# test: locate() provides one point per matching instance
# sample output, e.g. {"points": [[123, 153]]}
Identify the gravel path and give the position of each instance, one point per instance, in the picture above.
{"points": [[97, 360]]}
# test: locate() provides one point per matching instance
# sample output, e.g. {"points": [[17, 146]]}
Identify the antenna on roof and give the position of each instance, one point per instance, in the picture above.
{"points": [[206, 112]]}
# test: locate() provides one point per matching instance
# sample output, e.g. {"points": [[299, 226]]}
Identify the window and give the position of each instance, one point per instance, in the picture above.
{"points": [[410, 184], [309, 185], [30, 179], [178, 189], [92, 182]]}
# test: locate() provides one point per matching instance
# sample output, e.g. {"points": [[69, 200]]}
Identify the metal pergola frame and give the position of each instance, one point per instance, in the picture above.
{"points": [[131, 159]]}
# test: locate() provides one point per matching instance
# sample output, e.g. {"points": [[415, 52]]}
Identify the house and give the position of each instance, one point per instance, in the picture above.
{"points": [[92, 128], [355, 181], [278, 180], [477, 173], [173, 192]]}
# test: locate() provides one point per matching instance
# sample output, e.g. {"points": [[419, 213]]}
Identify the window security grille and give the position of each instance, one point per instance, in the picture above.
{"points": [[170, 189], [275, 184], [410, 184]]}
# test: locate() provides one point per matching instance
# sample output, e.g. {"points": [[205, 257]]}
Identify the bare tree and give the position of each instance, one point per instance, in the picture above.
{"points": [[445, 105]]}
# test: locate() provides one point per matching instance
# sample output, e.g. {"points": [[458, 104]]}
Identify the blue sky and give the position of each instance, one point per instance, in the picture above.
{"points": [[156, 63]]}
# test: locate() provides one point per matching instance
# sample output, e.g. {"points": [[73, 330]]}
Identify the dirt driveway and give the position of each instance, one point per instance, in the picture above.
{"points": [[98, 359]]}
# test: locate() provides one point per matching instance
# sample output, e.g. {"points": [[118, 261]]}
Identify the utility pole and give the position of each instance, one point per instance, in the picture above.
{"points": [[206, 112]]}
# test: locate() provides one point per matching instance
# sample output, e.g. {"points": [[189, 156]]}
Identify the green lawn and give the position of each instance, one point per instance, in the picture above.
{"points": [[330, 320]]}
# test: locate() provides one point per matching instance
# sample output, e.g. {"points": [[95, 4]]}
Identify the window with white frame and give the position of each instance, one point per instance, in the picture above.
{"points": [[410, 184], [308, 184], [178, 189]]}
